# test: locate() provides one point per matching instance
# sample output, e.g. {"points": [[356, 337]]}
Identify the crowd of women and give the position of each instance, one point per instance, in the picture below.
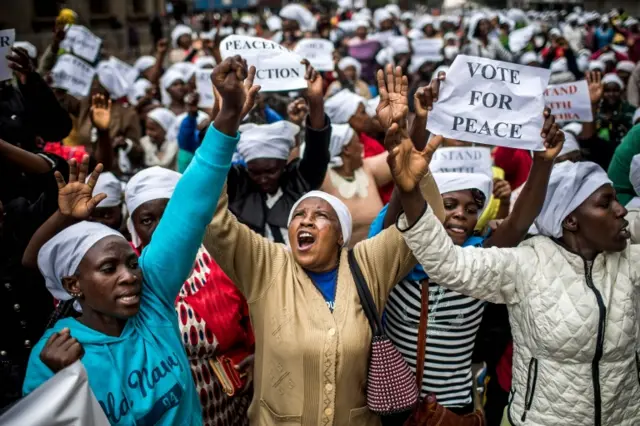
{"points": [[250, 262]]}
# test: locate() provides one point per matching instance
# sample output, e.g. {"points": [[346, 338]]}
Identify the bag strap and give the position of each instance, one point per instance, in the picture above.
{"points": [[366, 300], [422, 331]]}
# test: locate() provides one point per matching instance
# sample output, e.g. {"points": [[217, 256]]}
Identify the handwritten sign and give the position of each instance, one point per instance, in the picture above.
{"points": [[81, 42], [7, 38], [319, 53], [127, 71], [427, 49], [462, 160], [73, 74], [205, 88], [491, 102], [277, 68], [569, 101]]}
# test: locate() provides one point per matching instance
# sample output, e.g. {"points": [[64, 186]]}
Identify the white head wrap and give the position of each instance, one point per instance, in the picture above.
{"points": [[300, 14], [111, 79], [169, 77], [143, 63], [607, 57], [627, 66], [60, 256], [450, 52], [399, 45], [342, 106], [634, 173], [178, 32], [597, 66], [569, 185], [342, 211], [30, 48], [613, 78], [109, 185], [529, 57], [423, 22], [559, 65], [347, 62], [149, 184], [205, 62], [393, 9], [274, 23], [138, 90], [450, 36], [341, 135], [452, 181], [630, 22], [187, 69], [268, 141], [554, 32], [570, 143], [473, 23], [164, 117], [381, 15]]}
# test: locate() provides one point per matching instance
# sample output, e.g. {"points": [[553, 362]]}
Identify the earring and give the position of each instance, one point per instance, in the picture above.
{"points": [[76, 295]]}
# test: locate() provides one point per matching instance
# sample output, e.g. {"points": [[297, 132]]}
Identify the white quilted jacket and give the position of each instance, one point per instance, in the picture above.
{"points": [[574, 323]]}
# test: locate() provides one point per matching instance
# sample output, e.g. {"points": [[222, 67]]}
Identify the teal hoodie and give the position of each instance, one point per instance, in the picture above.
{"points": [[143, 377]]}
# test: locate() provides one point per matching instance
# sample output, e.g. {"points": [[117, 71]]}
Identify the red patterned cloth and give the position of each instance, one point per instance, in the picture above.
{"points": [[373, 147], [66, 152]]}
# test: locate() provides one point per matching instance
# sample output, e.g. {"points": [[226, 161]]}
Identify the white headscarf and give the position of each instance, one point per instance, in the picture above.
{"points": [[300, 14], [178, 32], [205, 61], [111, 79], [61, 255], [607, 57], [143, 63], [627, 66], [149, 184], [109, 185], [274, 23], [342, 106], [634, 173], [570, 143], [381, 15], [613, 78], [138, 90], [529, 57], [164, 117], [341, 135], [268, 141], [372, 105], [169, 77], [30, 48], [187, 69], [569, 185], [342, 211], [347, 62], [453, 181], [597, 66]]}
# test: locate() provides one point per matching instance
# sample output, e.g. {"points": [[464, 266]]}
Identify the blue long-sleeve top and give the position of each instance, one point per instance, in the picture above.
{"points": [[143, 376]]}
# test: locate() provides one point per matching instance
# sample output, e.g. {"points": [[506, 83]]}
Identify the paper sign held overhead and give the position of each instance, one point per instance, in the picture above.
{"points": [[491, 102], [7, 38], [129, 73], [428, 49], [462, 160], [569, 101], [81, 42], [277, 68], [205, 88], [319, 53], [73, 74]]}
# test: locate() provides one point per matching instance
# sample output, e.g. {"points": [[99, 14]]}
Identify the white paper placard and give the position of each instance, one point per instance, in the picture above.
{"points": [[205, 88], [569, 101], [129, 73], [491, 102], [73, 74], [428, 49], [277, 68], [81, 42], [462, 160], [7, 38], [318, 51]]}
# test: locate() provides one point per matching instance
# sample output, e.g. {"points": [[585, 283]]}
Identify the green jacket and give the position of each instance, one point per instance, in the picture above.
{"points": [[620, 165]]}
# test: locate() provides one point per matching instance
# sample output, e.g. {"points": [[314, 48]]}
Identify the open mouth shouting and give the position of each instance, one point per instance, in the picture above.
{"points": [[306, 240]]}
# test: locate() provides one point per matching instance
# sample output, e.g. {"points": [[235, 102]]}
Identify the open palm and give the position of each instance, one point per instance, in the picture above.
{"points": [[100, 111], [75, 199], [596, 88], [394, 104], [408, 165]]}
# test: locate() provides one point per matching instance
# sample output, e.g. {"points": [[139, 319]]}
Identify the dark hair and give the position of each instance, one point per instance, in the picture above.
{"points": [[478, 197]]}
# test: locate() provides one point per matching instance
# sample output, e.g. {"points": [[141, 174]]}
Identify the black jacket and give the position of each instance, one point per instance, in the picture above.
{"points": [[248, 203]]}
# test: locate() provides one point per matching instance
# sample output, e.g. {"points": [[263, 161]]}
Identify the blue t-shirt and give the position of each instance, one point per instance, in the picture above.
{"points": [[326, 283]]}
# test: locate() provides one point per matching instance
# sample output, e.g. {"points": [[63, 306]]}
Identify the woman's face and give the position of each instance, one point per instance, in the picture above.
{"points": [[350, 73], [184, 41], [361, 32], [109, 279], [386, 25], [429, 31], [315, 235], [154, 130], [108, 216], [177, 91], [483, 28], [360, 121], [354, 151], [612, 94], [146, 218], [599, 223], [266, 172], [461, 210]]}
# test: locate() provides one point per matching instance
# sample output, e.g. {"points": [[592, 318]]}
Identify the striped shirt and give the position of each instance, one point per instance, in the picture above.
{"points": [[453, 322]]}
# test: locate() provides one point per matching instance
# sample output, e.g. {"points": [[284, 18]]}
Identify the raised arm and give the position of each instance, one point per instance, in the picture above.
{"points": [[168, 259]]}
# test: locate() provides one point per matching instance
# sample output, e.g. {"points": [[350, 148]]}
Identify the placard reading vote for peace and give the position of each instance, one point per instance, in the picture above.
{"points": [[462, 160], [569, 101], [277, 68], [73, 74], [318, 51], [491, 102]]}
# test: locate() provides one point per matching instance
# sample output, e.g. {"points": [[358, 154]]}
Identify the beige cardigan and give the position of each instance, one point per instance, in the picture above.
{"points": [[310, 364]]}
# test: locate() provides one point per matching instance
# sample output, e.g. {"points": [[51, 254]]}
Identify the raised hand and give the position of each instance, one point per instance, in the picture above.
{"points": [[427, 95], [75, 198], [315, 87], [162, 47], [61, 350], [20, 63], [250, 91], [553, 138], [596, 88], [100, 112], [191, 102], [408, 165], [297, 111], [394, 105], [502, 190]]}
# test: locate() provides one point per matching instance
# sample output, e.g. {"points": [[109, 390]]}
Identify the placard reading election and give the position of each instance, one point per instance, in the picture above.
{"points": [[491, 102], [128, 72], [205, 88], [73, 74], [318, 51], [428, 49], [569, 101], [7, 37], [81, 42], [462, 160], [277, 68]]}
